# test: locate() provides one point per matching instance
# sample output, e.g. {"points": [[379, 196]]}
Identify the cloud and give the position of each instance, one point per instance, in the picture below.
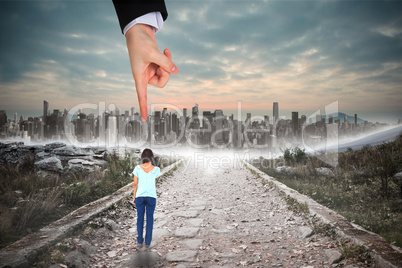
{"points": [[302, 54]]}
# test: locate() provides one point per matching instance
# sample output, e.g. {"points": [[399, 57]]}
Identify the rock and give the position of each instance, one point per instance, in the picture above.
{"points": [[77, 260], [179, 256], [111, 225], [87, 247], [284, 169], [42, 155], [333, 255], [54, 145], [186, 232], [71, 151], [323, 171], [50, 164], [80, 164], [306, 232], [398, 176]]}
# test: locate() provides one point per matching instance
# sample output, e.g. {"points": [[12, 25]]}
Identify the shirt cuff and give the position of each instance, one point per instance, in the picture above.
{"points": [[153, 19]]}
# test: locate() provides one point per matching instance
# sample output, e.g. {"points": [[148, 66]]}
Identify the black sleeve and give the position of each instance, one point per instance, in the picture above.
{"points": [[128, 10]]}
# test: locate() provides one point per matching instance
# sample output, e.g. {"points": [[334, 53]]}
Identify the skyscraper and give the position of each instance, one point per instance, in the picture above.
{"points": [[3, 118], [276, 112], [356, 119], [45, 111], [295, 122], [219, 126]]}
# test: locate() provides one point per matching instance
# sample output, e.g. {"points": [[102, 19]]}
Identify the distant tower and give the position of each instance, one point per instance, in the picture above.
{"points": [[318, 118], [16, 118], [276, 112], [111, 132], [45, 111], [132, 113], [345, 119], [295, 122], [218, 114], [356, 119], [248, 120], [185, 113], [330, 119]]}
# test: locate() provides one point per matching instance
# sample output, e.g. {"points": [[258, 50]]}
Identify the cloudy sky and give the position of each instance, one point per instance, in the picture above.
{"points": [[302, 54]]}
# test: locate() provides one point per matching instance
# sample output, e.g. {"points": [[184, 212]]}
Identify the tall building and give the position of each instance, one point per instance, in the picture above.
{"points": [[218, 114], [132, 113], [3, 118], [295, 122], [195, 121], [276, 112], [356, 119], [16, 118], [303, 119], [318, 118], [45, 111], [111, 132]]}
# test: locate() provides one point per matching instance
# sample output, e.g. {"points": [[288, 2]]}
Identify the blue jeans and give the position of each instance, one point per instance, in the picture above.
{"points": [[145, 204]]}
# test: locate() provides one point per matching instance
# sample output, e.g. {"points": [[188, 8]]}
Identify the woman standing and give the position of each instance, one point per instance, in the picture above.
{"points": [[144, 191]]}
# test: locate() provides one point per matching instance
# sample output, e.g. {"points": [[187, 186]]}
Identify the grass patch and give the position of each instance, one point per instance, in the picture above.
{"points": [[297, 207], [356, 253], [362, 187]]}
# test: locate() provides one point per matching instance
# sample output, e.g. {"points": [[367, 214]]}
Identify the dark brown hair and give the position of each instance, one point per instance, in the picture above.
{"points": [[147, 156]]}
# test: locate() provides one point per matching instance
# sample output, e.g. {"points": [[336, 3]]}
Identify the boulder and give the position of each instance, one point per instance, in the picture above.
{"points": [[77, 259], [284, 169], [50, 164], [71, 151], [323, 171], [54, 145], [398, 176]]}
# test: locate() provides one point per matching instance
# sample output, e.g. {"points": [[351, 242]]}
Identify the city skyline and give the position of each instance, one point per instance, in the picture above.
{"points": [[303, 55]]}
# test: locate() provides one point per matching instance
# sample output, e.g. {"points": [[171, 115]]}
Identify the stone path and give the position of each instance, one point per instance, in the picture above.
{"points": [[206, 217]]}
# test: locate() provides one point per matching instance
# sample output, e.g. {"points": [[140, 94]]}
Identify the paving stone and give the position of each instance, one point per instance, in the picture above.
{"points": [[186, 213], [158, 233], [159, 215], [217, 211], [159, 224], [198, 203], [198, 208], [193, 243], [181, 256], [186, 232], [195, 221]]}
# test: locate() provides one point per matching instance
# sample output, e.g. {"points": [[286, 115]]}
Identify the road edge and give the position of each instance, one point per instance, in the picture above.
{"points": [[384, 254]]}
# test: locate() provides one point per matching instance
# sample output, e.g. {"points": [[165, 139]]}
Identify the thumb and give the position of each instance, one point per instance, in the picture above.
{"points": [[165, 62], [141, 88]]}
